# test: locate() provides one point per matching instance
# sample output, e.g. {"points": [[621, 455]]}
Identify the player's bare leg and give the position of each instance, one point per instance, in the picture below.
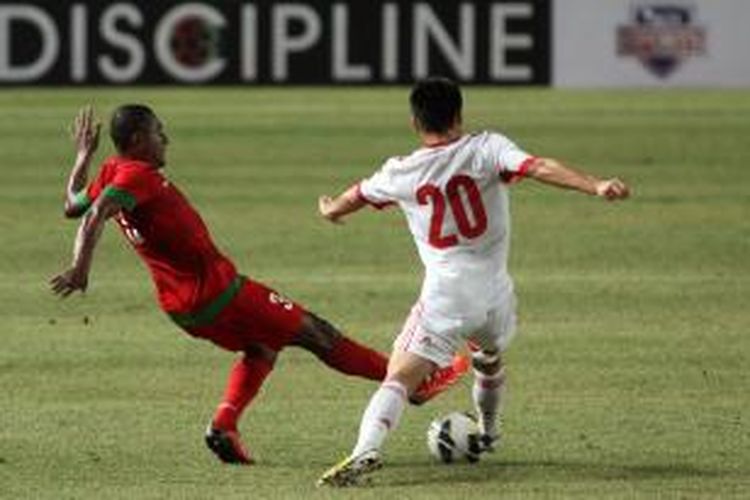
{"points": [[245, 379], [488, 390], [405, 372], [347, 356], [339, 352]]}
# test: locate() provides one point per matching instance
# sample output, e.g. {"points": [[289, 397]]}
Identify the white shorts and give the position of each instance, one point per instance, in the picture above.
{"points": [[494, 333]]}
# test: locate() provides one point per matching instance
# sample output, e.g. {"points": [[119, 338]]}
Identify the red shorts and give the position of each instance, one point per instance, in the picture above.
{"points": [[256, 315]]}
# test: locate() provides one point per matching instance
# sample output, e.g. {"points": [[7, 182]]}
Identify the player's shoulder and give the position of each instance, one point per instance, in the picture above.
{"points": [[133, 165], [108, 168], [490, 138], [130, 174], [394, 164], [128, 167]]}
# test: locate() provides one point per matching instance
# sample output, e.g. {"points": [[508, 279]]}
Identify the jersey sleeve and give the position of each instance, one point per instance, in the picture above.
{"points": [[379, 190], [509, 162], [129, 188]]}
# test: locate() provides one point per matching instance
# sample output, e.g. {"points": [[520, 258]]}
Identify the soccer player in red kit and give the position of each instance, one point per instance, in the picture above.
{"points": [[197, 286]]}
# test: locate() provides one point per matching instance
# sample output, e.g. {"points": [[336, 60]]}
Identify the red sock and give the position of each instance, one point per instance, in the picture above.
{"points": [[349, 357], [245, 378]]}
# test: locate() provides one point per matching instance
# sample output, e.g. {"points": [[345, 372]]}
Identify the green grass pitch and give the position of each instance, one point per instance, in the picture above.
{"points": [[630, 376]]}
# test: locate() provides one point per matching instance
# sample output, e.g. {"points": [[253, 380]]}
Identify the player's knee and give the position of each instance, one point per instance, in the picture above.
{"points": [[318, 335], [259, 351], [487, 362]]}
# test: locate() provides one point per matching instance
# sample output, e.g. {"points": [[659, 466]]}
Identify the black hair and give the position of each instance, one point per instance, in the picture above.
{"points": [[436, 104], [126, 121]]}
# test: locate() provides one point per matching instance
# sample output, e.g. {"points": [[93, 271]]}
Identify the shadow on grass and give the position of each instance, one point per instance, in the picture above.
{"points": [[525, 471]]}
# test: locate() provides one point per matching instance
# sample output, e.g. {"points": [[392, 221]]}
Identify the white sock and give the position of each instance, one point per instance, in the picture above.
{"points": [[488, 395], [382, 414]]}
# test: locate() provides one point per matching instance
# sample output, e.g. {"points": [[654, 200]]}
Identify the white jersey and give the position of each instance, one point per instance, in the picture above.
{"points": [[455, 198]]}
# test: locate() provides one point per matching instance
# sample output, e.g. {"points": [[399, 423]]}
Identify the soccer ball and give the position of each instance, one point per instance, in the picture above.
{"points": [[453, 438]]}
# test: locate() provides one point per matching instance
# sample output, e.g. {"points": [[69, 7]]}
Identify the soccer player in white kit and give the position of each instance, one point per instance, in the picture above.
{"points": [[454, 193]]}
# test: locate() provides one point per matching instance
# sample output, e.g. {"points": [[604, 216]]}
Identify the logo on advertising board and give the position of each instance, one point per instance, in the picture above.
{"points": [[661, 36], [194, 41]]}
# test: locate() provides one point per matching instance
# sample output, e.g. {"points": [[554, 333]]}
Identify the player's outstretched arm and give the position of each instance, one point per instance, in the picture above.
{"points": [[77, 276], [333, 209], [85, 132], [553, 172]]}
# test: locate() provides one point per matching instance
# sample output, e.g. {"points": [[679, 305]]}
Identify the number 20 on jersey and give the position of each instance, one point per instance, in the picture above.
{"points": [[463, 196]]}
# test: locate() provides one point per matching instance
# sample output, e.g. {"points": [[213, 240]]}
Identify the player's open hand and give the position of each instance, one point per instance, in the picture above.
{"points": [[68, 282], [86, 132], [612, 189]]}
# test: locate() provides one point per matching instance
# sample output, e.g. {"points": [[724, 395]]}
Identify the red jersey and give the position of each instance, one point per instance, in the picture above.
{"points": [[188, 270]]}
